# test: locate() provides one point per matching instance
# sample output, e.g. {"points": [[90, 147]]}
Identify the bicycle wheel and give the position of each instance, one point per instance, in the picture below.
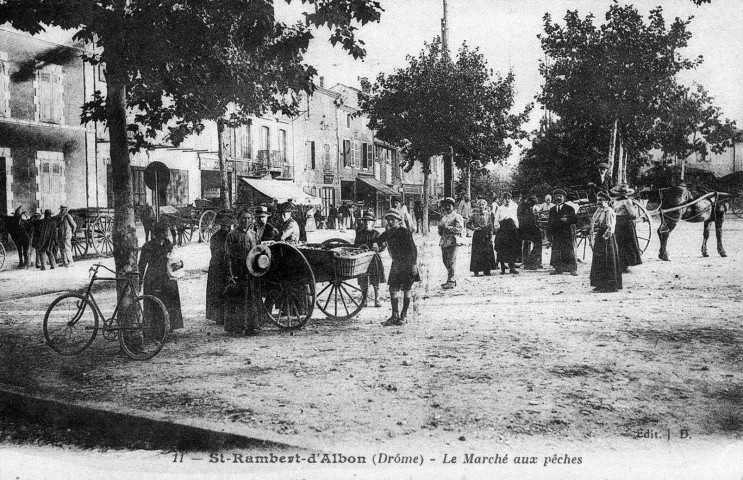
{"points": [[70, 324], [143, 327], [2, 256]]}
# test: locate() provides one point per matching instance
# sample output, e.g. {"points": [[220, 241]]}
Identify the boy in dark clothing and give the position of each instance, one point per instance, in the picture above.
{"points": [[404, 270]]}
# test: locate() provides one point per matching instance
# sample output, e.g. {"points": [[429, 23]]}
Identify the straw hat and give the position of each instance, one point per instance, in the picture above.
{"points": [[259, 260]]}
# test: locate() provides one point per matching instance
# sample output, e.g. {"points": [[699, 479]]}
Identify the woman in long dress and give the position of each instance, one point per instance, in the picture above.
{"points": [[626, 235], [242, 297], [482, 258], [153, 267], [606, 275], [216, 280]]}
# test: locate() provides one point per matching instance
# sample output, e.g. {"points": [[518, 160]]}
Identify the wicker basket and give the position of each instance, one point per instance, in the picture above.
{"points": [[352, 262]]}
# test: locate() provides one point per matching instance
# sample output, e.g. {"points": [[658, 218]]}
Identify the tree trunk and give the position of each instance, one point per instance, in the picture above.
{"points": [[124, 230], [224, 197], [426, 183], [469, 181]]}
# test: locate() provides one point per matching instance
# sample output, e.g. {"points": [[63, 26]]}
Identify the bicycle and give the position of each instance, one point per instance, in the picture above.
{"points": [[71, 322]]}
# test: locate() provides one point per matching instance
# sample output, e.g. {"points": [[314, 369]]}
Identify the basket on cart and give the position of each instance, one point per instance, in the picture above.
{"points": [[352, 262]]}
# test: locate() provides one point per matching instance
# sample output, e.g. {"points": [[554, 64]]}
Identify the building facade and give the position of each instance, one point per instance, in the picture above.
{"points": [[46, 154], [48, 158]]}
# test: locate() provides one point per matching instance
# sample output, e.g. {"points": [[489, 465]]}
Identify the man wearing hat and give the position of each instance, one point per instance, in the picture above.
{"points": [[46, 240], [66, 227], [290, 228], [404, 269], [450, 227], [560, 234], [262, 230], [367, 236], [599, 179]]}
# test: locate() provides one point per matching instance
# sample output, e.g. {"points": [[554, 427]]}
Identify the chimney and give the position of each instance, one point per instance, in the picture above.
{"points": [[322, 82]]}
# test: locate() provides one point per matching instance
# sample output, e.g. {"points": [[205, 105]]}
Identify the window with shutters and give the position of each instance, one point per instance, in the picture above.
{"points": [[265, 138], [49, 93], [356, 154], [4, 86], [366, 156], [282, 145], [310, 154], [240, 142], [139, 192], [347, 160]]}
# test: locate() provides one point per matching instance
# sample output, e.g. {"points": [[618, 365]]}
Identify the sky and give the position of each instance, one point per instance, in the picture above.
{"points": [[506, 33]]}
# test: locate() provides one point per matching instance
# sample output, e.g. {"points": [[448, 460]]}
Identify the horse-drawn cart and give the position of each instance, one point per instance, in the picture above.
{"points": [[586, 209], [95, 228], [299, 277]]}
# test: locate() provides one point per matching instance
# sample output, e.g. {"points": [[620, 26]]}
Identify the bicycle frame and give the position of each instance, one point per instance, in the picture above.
{"points": [[89, 295]]}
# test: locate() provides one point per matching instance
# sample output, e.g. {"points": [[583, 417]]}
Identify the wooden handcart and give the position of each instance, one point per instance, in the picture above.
{"points": [[303, 276]]}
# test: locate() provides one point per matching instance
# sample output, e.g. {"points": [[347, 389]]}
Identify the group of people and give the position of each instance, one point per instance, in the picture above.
{"points": [[506, 233], [232, 293], [49, 236], [350, 217]]}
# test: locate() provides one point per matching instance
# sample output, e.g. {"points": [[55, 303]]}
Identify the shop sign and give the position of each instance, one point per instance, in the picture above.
{"points": [[328, 179]]}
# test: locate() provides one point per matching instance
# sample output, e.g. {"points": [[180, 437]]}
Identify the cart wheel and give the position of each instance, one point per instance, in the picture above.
{"points": [[102, 235], [79, 244], [584, 241], [288, 288], [207, 225], [333, 243], [643, 226], [185, 234], [737, 206], [341, 299], [2, 256]]}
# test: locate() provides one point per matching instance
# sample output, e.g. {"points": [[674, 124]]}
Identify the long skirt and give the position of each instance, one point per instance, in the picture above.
{"points": [[310, 225], [629, 249], [242, 303], [531, 247], [563, 253], [216, 281], [166, 290], [482, 258], [605, 271]]}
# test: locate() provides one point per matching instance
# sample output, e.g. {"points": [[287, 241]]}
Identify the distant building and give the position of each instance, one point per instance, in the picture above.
{"points": [[721, 164], [46, 155], [48, 158]]}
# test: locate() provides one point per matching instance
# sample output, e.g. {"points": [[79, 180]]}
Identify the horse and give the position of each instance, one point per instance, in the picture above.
{"points": [[20, 232], [146, 215], [679, 203]]}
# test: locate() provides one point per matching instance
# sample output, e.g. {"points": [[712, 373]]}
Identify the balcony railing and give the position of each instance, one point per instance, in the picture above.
{"points": [[273, 160]]}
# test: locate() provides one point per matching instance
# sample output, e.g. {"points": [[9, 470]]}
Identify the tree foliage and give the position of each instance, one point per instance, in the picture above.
{"points": [[186, 60], [624, 70], [435, 103]]}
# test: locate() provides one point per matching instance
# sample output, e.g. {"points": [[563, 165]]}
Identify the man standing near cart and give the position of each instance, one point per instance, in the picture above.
{"points": [[65, 228], [404, 269], [560, 234]]}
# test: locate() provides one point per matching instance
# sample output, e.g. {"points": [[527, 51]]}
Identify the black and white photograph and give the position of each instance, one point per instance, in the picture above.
{"points": [[371, 239]]}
